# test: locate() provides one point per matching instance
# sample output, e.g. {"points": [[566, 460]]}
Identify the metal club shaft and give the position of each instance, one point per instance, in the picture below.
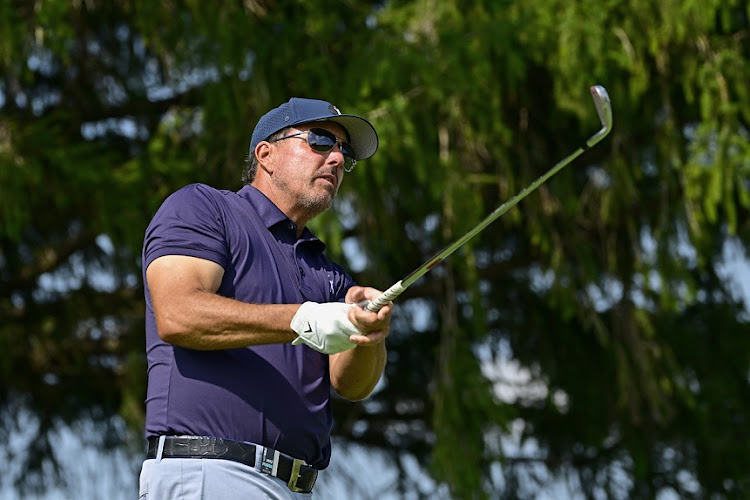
{"points": [[603, 109]]}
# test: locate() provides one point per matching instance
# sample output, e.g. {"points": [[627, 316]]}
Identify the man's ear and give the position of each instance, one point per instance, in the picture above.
{"points": [[263, 152]]}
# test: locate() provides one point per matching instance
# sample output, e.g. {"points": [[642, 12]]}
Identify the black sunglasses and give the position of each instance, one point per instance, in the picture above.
{"points": [[323, 141]]}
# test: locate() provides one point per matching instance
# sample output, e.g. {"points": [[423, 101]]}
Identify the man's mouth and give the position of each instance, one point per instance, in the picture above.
{"points": [[330, 177]]}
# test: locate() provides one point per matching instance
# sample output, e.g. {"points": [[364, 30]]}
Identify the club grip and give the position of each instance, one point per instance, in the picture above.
{"points": [[387, 296]]}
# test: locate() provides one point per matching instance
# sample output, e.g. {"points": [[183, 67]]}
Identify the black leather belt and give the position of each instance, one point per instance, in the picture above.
{"points": [[298, 476]]}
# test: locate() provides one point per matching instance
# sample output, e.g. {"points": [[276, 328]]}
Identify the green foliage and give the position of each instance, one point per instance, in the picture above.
{"points": [[607, 285]]}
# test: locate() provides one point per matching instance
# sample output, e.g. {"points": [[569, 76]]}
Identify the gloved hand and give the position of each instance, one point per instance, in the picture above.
{"points": [[324, 327]]}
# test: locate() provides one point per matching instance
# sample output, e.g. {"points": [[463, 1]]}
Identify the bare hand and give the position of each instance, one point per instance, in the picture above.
{"points": [[374, 326]]}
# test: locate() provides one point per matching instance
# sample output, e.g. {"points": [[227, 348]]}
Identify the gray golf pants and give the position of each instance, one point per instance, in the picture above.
{"points": [[210, 479]]}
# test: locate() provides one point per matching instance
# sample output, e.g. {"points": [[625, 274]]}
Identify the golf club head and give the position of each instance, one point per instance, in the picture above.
{"points": [[603, 109]]}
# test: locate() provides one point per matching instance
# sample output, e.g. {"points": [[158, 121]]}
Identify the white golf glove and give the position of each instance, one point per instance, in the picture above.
{"points": [[324, 327]]}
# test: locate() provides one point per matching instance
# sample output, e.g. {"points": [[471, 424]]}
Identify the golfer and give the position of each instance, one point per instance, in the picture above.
{"points": [[249, 324]]}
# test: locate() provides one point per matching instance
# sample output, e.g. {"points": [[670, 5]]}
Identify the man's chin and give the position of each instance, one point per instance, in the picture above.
{"points": [[320, 204], [326, 192]]}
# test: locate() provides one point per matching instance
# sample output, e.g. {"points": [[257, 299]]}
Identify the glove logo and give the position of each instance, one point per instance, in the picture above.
{"points": [[310, 329]]}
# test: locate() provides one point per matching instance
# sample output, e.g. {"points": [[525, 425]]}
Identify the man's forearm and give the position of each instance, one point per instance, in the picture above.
{"points": [[206, 321], [356, 372]]}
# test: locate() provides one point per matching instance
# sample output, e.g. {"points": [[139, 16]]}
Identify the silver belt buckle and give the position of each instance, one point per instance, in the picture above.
{"points": [[296, 464]]}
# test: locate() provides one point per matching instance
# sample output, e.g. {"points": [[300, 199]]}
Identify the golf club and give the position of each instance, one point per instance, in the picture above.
{"points": [[603, 109]]}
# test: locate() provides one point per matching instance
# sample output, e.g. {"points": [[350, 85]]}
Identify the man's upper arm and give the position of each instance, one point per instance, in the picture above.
{"points": [[170, 276], [175, 283]]}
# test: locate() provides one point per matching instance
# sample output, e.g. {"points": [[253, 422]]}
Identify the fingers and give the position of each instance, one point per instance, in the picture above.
{"points": [[374, 326], [362, 295], [368, 321], [370, 339]]}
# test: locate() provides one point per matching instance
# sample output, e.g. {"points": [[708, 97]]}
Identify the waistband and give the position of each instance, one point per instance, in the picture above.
{"points": [[298, 476]]}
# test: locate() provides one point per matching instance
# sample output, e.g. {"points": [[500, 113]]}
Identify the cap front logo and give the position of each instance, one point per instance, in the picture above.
{"points": [[333, 109]]}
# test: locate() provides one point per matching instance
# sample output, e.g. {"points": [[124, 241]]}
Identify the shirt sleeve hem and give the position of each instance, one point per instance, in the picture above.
{"points": [[188, 252]]}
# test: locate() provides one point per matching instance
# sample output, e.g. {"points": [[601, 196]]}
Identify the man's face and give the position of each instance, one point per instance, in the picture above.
{"points": [[308, 179]]}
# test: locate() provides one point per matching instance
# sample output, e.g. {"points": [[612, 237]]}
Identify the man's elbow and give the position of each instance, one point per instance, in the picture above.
{"points": [[353, 392], [354, 395], [171, 331], [169, 336]]}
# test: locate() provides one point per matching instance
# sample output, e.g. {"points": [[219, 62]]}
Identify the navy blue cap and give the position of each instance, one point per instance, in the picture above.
{"points": [[298, 110]]}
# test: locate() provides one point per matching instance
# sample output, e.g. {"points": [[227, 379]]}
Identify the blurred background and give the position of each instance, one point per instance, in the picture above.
{"points": [[594, 342]]}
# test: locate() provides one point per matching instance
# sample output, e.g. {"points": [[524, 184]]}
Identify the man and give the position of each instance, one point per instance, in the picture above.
{"points": [[249, 324]]}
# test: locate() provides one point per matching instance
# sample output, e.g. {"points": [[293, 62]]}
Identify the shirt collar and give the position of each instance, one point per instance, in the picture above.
{"points": [[270, 214]]}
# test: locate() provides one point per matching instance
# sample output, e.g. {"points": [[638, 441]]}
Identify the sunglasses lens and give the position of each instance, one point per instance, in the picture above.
{"points": [[347, 150], [322, 140]]}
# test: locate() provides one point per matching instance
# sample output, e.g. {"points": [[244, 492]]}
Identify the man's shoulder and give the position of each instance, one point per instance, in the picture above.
{"points": [[200, 189], [199, 193]]}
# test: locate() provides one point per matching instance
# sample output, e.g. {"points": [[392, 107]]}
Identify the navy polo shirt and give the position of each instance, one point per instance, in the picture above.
{"points": [[273, 395]]}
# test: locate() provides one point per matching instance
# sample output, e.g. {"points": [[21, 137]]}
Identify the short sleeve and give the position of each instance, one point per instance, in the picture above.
{"points": [[190, 223]]}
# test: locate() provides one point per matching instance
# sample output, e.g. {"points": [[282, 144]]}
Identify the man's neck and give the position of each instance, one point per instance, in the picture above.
{"points": [[283, 203]]}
